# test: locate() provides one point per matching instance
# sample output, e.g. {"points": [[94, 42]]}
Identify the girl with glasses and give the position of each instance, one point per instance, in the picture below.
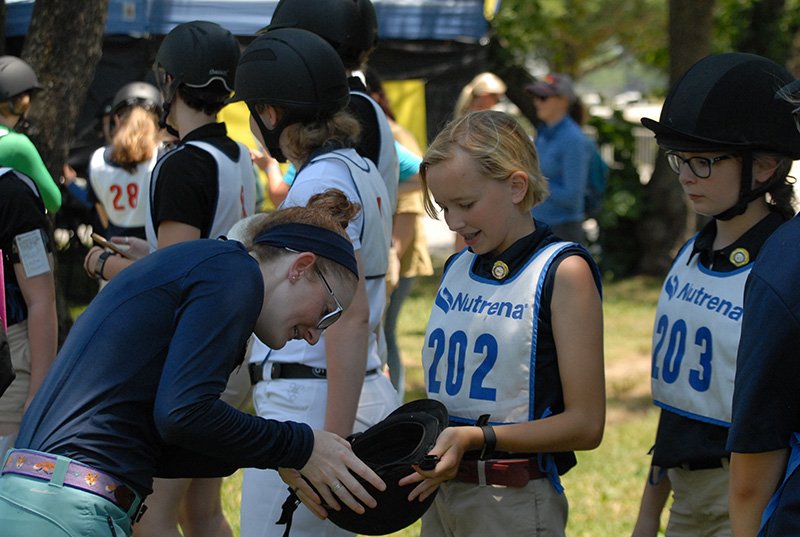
{"points": [[731, 144], [135, 391]]}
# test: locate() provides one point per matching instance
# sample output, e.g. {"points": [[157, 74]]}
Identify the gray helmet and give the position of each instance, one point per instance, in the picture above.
{"points": [[295, 70], [16, 77], [201, 56], [350, 26], [140, 94], [728, 102]]}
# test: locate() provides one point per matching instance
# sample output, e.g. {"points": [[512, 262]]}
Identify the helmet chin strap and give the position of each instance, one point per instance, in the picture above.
{"points": [[22, 122], [271, 137], [746, 192], [162, 121], [169, 96]]}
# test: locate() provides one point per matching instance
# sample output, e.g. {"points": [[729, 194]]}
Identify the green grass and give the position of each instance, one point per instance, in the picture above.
{"points": [[605, 487]]}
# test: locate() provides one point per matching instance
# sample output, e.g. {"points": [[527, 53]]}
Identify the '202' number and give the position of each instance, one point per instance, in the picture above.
{"points": [[675, 337], [456, 350]]}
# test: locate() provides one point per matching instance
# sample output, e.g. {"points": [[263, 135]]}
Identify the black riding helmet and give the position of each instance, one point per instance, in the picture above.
{"points": [[140, 94], [201, 56], [350, 26], [390, 448], [16, 77], [726, 103], [294, 70]]}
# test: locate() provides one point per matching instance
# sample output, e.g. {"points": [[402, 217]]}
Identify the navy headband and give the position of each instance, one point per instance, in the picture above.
{"points": [[307, 238]]}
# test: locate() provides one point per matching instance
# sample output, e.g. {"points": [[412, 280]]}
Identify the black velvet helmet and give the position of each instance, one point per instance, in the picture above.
{"points": [[294, 70], [16, 77], [350, 26], [390, 448], [201, 56], [728, 103], [137, 94]]}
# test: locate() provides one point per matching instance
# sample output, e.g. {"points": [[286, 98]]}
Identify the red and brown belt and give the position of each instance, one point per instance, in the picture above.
{"points": [[507, 472]]}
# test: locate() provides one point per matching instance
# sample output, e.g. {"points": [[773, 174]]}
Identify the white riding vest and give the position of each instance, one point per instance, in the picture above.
{"points": [[376, 234], [696, 335], [236, 190], [123, 195], [479, 352]]}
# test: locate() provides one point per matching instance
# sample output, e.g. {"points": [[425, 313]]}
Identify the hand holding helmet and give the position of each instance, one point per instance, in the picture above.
{"points": [[328, 474], [450, 448]]}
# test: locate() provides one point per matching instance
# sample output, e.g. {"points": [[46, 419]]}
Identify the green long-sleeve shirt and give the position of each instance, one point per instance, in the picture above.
{"points": [[18, 152]]}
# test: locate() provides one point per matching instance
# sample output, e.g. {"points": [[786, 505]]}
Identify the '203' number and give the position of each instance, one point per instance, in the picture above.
{"points": [[675, 338], [456, 349]]}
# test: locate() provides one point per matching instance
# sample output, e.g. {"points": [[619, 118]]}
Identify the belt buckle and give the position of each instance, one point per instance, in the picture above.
{"points": [[256, 372], [136, 516], [275, 371]]}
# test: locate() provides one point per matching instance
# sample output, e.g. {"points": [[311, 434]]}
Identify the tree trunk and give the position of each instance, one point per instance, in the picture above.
{"points": [[63, 45], [668, 220]]}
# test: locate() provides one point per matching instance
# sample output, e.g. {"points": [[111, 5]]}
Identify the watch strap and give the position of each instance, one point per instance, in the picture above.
{"points": [[100, 263]]}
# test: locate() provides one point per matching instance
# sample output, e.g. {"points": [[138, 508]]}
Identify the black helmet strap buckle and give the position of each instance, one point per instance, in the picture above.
{"points": [[287, 511]]}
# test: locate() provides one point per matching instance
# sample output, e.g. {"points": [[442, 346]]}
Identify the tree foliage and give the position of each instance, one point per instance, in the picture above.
{"points": [[578, 36]]}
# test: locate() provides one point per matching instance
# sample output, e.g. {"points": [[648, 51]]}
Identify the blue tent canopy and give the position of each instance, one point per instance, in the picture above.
{"points": [[461, 20]]}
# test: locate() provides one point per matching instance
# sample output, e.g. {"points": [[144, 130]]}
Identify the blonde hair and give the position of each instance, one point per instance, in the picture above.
{"points": [[480, 85], [135, 140], [497, 143], [331, 210]]}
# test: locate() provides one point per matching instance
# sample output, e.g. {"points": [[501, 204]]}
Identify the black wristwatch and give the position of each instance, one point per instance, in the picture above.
{"points": [[101, 262]]}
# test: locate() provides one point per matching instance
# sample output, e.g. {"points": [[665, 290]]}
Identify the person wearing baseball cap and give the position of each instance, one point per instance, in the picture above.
{"points": [[553, 85], [563, 156]]}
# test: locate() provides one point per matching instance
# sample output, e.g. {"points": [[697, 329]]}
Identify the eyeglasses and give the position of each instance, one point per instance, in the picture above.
{"points": [[333, 316], [700, 166]]}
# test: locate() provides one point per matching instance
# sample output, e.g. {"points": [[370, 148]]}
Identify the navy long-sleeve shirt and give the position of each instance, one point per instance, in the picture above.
{"points": [[135, 390]]}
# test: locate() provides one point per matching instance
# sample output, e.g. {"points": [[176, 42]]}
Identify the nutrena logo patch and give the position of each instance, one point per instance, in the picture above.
{"points": [[698, 296], [464, 303]]}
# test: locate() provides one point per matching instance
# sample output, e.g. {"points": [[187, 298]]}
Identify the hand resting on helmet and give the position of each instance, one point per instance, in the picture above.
{"points": [[330, 464]]}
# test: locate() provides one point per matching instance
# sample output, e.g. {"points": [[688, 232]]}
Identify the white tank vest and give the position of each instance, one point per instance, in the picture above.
{"points": [[123, 195], [696, 335], [479, 352], [236, 194], [376, 235]]}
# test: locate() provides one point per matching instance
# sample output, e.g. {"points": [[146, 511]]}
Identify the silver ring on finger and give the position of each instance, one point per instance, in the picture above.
{"points": [[337, 486]]}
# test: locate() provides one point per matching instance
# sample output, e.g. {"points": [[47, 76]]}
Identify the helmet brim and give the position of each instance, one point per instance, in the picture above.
{"points": [[675, 140]]}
